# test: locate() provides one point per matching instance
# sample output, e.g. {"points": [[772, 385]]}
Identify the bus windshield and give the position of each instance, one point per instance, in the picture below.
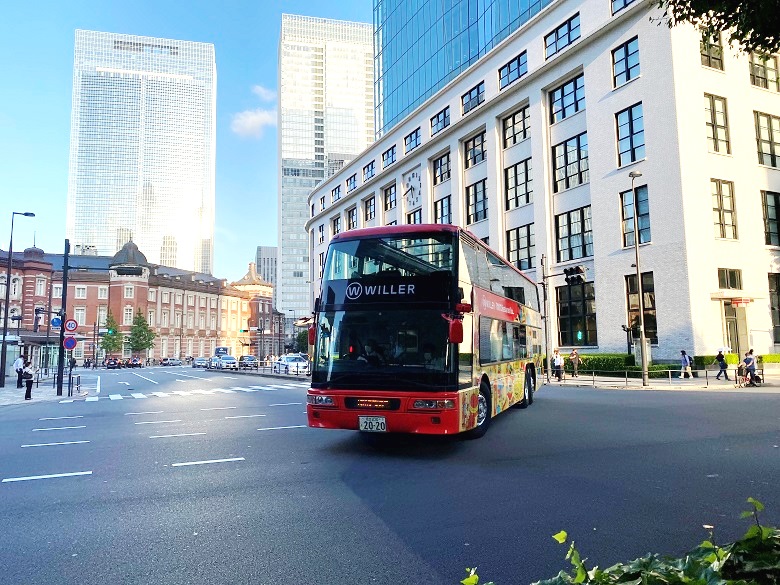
{"points": [[394, 349]]}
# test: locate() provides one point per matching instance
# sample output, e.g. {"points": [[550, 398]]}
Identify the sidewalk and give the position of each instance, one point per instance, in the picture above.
{"points": [[703, 381], [45, 392]]}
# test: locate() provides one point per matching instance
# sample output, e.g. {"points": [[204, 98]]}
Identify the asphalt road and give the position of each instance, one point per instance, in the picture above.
{"points": [[216, 479]]}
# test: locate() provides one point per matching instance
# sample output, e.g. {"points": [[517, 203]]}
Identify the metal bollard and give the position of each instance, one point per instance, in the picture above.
{"points": [[78, 384]]}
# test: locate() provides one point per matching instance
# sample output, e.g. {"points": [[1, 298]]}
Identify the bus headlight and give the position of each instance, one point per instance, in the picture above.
{"points": [[434, 404], [318, 400]]}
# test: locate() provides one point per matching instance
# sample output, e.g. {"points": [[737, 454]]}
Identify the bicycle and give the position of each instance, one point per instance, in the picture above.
{"points": [[747, 379]]}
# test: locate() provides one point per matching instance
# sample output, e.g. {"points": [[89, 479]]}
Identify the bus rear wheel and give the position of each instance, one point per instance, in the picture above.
{"points": [[483, 413]]}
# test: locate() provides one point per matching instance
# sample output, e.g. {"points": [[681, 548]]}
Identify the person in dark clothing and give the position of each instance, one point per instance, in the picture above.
{"points": [[28, 375], [721, 361]]}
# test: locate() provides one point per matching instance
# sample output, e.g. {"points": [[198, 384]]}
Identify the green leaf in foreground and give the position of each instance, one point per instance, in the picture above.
{"points": [[561, 537]]}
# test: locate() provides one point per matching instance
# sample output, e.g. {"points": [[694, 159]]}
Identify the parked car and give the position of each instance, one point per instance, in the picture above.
{"points": [[213, 363], [200, 362], [113, 364], [136, 363], [228, 362], [248, 362], [291, 364], [170, 362]]}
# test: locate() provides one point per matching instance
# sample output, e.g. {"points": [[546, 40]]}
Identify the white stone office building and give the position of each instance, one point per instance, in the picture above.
{"points": [[531, 150], [325, 119], [143, 148]]}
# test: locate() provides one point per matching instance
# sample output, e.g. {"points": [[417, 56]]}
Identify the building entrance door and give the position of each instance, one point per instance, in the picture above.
{"points": [[736, 328]]}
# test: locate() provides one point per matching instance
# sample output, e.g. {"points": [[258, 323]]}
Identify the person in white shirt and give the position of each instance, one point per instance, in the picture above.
{"points": [[19, 368]]}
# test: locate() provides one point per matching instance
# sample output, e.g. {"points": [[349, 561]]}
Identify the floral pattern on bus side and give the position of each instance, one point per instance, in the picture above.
{"points": [[468, 402], [506, 384]]}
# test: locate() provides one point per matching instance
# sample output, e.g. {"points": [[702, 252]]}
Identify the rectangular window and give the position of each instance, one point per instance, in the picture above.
{"points": [[368, 171], [102, 292], [103, 315], [501, 340], [567, 99], [150, 318], [390, 197], [351, 183], [768, 138], [322, 263], [648, 304], [516, 127], [414, 217], [513, 70], [643, 219], [127, 316], [625, 62], [321, 233], [336, 225], [56, 291], [369, 206], [570, 162], [618, 5], [335, 194], [763, 71], [476, 201], [352, 218], [40, 287], [518, 184], [771, 202], [730, 278], [711, 51], [630, 135], [521, 247], [562, 36], [442, 210], [574, 234], [717, 124], [322, 202], [577, 314], [724, 212], [475, 150], [388, 157], [441, 169], [440, 121], [774, 305], [472, 98], [129, 291], [80, 292], [80, 315], [166, 297], [411, 141]]}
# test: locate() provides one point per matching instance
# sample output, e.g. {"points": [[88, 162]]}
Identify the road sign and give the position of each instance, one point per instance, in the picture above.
{"points": [[69, 342], [71, 325], [56, 322]]}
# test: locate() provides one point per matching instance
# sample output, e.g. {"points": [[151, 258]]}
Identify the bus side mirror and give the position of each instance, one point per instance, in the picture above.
{"points": [[312, 333], [456, 331]]}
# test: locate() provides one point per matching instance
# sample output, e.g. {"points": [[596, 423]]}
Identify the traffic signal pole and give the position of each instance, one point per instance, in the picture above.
{"points": [[63, 310]]}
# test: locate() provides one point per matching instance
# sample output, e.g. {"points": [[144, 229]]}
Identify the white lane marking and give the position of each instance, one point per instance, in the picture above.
{"points": [[60, 417], [52, 444], [207, 461], [53, 475], [147, 412], [125, 383], [157, 422], [179, 435], [259, 387], [198, 391], [181, 393], [302, 385], [160, 394], [292, 385], [98, 386], [279, 428], [115, 396], [287, 404], [92, 398], [219, 408], [61, 428], [184, 381], [138, 395], [245, 389], [66, 401], [187, 376], [276, 386], [229, 378], [246, 416], [224, 390], [147, 379]]}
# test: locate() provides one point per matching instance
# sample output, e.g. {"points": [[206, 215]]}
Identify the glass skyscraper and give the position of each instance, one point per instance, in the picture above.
{"points": [[142, 148], [326, 77], [421, 45]]}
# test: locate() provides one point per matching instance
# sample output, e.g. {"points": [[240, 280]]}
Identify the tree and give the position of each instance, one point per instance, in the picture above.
{"points": [[752, 24], [302, 339], [112, 340], [141, 336]]}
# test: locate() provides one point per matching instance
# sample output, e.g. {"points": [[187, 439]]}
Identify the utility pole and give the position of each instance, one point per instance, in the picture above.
{"points": [[640, 292], [63, 311], [545, 319]]}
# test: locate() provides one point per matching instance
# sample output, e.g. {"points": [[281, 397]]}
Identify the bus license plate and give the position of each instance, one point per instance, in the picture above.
{"points": [[372, 424]]}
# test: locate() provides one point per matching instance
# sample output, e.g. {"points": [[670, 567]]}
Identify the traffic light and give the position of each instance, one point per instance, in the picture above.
{"points": [[574, 275], [110, 331]]}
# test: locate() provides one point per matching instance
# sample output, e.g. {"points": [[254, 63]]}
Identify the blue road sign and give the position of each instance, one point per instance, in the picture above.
{"points": [[56, 322]]}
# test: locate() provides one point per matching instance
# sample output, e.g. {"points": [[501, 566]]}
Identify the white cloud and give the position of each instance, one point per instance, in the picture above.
{"points": [[250, 123], [265, 94]]}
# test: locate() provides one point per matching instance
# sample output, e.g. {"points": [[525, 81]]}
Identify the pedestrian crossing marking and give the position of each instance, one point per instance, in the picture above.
{"points": [[231, 390], [115, 396], [91, 398], [138, 395], [160, 394]]}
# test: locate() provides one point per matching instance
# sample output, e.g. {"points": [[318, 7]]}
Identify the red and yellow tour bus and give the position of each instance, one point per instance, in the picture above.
{"points": [[421, 329]]}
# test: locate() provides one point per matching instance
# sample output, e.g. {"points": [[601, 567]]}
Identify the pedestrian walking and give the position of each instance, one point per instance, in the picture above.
{"points": [[575, 360], [28, 374], [18, 368], [720, 359], [557, 363], [686, 362]]}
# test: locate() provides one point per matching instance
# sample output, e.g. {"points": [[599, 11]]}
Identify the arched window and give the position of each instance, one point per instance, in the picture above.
{"points": [[16, 287]]}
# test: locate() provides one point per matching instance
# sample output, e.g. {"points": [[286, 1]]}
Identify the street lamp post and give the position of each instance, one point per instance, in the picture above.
{"points": [[8, 295], [642, 338]]}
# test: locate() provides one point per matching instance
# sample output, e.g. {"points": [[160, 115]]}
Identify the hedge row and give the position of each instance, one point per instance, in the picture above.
{"points": [[601, 361]]}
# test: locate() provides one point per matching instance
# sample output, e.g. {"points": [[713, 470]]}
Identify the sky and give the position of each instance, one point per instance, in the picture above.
{"points": [[36, 82]]}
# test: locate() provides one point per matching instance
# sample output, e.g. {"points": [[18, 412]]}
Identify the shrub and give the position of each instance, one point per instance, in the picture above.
{"points": [[702, 361], [769, 358], [601, 361]]}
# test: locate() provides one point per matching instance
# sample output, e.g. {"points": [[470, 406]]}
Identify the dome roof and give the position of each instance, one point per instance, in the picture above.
{"points": [[129, 254], [33, 253]]}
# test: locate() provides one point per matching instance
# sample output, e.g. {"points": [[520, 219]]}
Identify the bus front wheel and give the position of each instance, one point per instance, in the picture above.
{"points": [[483, 413]]}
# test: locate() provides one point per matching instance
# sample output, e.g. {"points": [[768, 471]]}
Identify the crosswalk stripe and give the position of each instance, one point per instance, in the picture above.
{"points": [[115, 396], [292, 385], [182, 393], [224, 390], [66, 401], [92, 398], [138, 395], [160, 394], [248, 389]]}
